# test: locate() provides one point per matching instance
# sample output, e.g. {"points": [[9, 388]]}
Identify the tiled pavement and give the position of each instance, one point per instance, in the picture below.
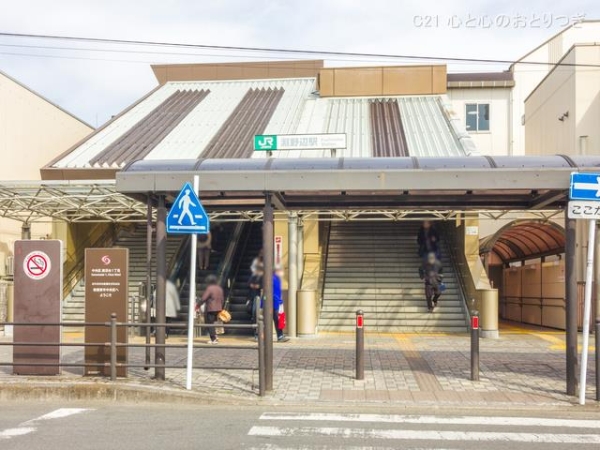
{"points": [[523, 367]]}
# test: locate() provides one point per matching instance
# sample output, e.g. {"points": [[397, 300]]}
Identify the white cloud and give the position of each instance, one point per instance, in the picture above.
{"points": [[97, 89]]}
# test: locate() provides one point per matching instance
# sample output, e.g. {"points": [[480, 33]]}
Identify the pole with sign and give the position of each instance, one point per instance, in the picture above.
{"points": [[187, 216], [585, 204]]}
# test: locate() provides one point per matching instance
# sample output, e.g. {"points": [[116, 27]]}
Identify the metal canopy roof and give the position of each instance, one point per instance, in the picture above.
{"points": [[525, 240], [498, 183], [82, 201]]}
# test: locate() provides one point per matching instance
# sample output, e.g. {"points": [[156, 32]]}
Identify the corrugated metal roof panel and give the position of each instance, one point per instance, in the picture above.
{"points": [[196, 129], [428, 125], [427, 128], [235, 137], [387, 129], [200, 126], [144, 136]]}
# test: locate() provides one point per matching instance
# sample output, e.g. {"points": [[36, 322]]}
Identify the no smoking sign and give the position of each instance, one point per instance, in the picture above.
{"points": [[36, 265]]}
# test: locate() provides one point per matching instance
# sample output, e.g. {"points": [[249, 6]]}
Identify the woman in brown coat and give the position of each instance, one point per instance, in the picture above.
{"points": [[213, 298]]}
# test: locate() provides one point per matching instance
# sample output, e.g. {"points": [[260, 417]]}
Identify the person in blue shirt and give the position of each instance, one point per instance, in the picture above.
{"points": [[278, 301]]}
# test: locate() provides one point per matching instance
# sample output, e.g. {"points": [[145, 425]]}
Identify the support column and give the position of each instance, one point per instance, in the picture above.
{"points": [[161, 284], [596, 322], [268, 238], [292, 273], [149, 233], [26, 231], [572, 305], [300, 252]]}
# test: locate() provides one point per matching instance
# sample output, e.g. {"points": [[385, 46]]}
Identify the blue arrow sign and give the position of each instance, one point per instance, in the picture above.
{"points": [[187, 215], [585, 186]]}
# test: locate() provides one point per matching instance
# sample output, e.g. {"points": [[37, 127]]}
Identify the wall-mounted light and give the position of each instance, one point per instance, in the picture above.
{"points": [[564, 116]]}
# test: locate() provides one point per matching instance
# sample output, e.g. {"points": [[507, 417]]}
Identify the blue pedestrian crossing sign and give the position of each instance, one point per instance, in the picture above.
{"points": [[187, 215], [585, 186]]}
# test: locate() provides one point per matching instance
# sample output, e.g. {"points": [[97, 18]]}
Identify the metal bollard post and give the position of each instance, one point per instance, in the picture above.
{"points": [[474, 346], [360, 345], [262, 380], [113, 347]]}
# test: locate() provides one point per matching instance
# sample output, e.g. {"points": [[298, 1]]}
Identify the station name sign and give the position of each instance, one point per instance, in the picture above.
{"points": [[272, 142]]}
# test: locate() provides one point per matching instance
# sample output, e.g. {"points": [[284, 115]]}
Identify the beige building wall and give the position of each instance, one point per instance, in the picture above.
{"points": [[572, 90], [496, 141], [528, 76], [32, 132], [548, 130]]}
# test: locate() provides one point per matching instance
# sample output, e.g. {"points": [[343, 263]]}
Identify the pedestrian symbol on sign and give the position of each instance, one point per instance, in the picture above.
{"points": [[187, 215], [184, 205]]}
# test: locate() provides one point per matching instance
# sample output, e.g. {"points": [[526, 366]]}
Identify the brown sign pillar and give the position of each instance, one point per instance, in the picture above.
{"points": [[38, 295], [106, 292]]}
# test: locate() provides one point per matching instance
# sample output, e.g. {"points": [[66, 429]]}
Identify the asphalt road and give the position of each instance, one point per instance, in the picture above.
{"points": [[27, 426]]}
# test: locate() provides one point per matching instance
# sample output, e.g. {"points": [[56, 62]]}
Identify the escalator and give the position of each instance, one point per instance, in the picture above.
{"points": [[234, 247]]}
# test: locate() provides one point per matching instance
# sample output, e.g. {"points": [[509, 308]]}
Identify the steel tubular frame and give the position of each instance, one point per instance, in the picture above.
{"points": [[113, 346]]}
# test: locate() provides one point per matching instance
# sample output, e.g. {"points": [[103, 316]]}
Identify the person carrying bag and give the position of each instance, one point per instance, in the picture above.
{"points": [[214, 299]]}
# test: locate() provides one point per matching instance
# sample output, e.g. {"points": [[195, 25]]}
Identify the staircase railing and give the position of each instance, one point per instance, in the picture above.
{"points": [[76, 273], [323, 268], [458, 259], [224, 268], [239, 251], [181, 260]]}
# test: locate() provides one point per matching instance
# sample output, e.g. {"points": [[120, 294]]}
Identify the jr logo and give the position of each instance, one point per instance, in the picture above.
{"points": [[268, 142]]}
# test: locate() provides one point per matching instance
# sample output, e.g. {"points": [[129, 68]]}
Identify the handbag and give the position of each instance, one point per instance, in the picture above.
{"points": [[442, 287], [281, 318], [224, 316]]}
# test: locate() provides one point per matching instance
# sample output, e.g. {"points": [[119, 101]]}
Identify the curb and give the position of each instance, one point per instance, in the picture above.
{"points": [[117, 392]]}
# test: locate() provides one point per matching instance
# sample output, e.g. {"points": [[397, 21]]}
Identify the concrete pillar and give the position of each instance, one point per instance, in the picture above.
{"points": [[292, 273], [161, 284], [268, 238], [149, 240], [25, 231], [572, 305], [300, 258]]}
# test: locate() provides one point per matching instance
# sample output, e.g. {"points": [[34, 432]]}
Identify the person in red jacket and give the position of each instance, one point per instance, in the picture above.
{"points": [[214, 298]]}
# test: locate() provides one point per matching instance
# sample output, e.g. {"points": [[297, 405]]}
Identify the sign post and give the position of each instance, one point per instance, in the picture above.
{"points": [[38, 298], [187, 216], [106, 292], [585, 190]]}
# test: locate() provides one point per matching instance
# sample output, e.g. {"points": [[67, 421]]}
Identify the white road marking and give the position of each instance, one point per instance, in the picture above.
{"points": [[29, 426], [309, 447], [58, 414], [424, 435], [433, 420], [12, 432]]}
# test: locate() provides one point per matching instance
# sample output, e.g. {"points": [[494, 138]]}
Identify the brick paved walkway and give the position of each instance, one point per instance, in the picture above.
{"points": [[522, 367]]}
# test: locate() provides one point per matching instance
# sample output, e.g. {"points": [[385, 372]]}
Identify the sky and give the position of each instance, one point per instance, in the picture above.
{"points": [[97, 81]]}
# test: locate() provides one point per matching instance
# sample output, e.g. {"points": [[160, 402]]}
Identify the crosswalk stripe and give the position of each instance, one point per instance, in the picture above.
{"points": [[433, 420], [323, 447], [423, 435], [30, 426]]}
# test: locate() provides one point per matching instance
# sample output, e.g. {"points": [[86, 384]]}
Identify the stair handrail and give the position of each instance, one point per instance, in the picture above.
{"points": [[324, 260], [181, 258], [459, 262], [239, 251], [225, 267], [76, 273]]}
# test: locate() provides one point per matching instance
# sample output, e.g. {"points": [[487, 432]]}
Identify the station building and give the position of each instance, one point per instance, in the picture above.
{"points": [[350, 248]]}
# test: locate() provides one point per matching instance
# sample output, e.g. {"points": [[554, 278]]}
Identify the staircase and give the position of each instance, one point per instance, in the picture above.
{"points": [[135, 241], [374, 267], [220, 240], [249, 248]]}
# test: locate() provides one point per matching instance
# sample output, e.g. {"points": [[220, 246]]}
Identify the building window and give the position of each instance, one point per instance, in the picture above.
{"points": [[477, 116]]}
